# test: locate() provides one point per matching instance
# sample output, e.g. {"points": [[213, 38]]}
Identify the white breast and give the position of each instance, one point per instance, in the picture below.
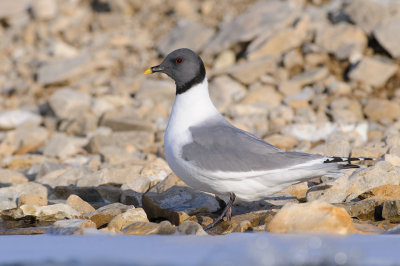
{"points": [[190, 108]]}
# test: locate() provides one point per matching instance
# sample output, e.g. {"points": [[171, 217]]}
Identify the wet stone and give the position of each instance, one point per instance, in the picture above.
{"points": [[71, 227]]}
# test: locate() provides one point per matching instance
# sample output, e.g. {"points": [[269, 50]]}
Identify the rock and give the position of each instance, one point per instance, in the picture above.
{"points": [[310, 76], [365, 228], [366, 14], [156, 170], [9, 195], [63, 146], [224, 91], [68, 103], [370, 150], [105, 214], [64, 177], [89, 194], [166, 228], [225, 59], [364, 180], [301, 99], [250, 71], [71, 227], [337, 145], [391, 211], [37, 230], [11, 119], [11, 177], [31, 199], [263, 95], [339, 88], [380, 109], [109, 176], [383, 193], [137, 139], [346, 110], [62, 70], [387, 33], [117, 155], [178, 203], [365, 210], [281, 141], [185, 34], [125, 120], [80, 126], [372, 71], [262, 17], [292, 59], [22, 144], [297, 190], [128, 217], [12, 8], [141, 228], [49, 213], [334, 192], [44, 9], [191, 228], [315, 217], [280, 42], [393, 157], [130, 197], [79, 204], [342, 39], [140, 184]]}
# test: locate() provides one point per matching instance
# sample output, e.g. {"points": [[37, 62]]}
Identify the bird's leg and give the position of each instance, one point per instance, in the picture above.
{"points": [[226, 212]]}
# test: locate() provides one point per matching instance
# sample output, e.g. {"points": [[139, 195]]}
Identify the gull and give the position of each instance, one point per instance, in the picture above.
{"points": [[210, 154]]}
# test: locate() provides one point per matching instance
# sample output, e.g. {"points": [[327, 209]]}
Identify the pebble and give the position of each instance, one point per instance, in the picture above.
{"points": [[178, 203], [11, 177], [387, 34], [372, 71], [48, 213], [366, 179], [62, 146], [9, 195], [185, 34], [13, 118], [333, 192], [89, 194], [141, 228], [71, 227], [315, 217], [130, 216], [79, 204], [68, 103], [32, 199], [191, 228], [391, 211], [105, 214], [380, 108]]}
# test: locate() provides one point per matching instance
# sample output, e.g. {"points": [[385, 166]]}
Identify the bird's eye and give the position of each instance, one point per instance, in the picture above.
{"points": [[179, 60]]}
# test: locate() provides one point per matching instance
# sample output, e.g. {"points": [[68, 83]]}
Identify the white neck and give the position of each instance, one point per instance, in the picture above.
{"points": [[192, 107]]}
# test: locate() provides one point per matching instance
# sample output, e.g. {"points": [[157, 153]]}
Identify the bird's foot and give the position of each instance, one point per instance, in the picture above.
{"points": [[227, 211]]}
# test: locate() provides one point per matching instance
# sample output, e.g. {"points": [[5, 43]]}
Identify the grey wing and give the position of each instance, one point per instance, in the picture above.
{"points": [[222, 147]]}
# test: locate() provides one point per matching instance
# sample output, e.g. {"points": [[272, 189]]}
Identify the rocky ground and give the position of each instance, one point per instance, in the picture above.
{"points": [[81, 140]]}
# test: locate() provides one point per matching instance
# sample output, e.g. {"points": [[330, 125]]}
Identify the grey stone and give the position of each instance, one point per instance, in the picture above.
{"points": [[364, 180], [28, 138], [117, 155], [68, 103], [177, 203], [333, 192], [166, 228], [170, 181], [109, 176], [224, 91], [372, 71], [71, 227], [89, 194], [44, 9], [366, 14], [185, 34], [262, 17], [388, 35], [137, 139], [105, 214], [9, 195], [64, 177], [140, 184], [125, 120], [250, 71], [130, 197], [346, 110], [62, 70], [343, 40], [63, 146], [11, 119], [10, 177], [310, 76]]}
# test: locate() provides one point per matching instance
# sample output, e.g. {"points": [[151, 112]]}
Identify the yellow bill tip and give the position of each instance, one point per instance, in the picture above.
{"points": [[148, 71]]}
